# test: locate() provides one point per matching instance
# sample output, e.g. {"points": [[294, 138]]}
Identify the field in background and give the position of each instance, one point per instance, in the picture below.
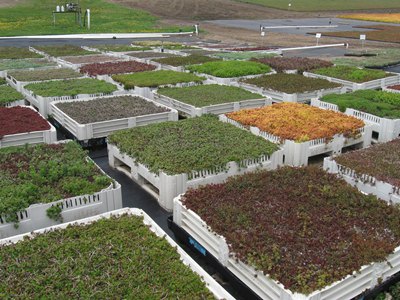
{"points": [[387, 18], [34, 17], [319, 5], [383, 33]]}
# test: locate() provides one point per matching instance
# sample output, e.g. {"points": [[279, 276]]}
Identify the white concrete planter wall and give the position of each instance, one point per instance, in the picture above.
{"points": [[367, 277], [388, 129], [216, 109], [75, 208], [169, 186], [85, 132], [34, 137], [43, 103], [352, 86], [365, 183], [297, 97], [297, 154], [215, 288]]}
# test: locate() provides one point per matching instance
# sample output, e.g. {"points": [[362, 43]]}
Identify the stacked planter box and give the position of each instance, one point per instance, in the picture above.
{"points": [[34, 137], [19, 85], [218, 291], [365, 183], [74, 208], [298, 153], [352, 86], [211, 244], [284, 97], [43, 103], [216, 109], [169, 186], [390, 89], [388, 129], [85, 132]]}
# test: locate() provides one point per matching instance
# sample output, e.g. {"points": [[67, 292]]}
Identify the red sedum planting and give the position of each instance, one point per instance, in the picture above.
{"points": [[19, 119], [116, 68], [302, 226]]}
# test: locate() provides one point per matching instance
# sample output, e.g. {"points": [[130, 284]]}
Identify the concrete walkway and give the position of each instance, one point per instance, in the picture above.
{"points": [[101, 36]]}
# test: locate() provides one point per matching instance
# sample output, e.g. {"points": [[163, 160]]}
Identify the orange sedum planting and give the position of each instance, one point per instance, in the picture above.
{"points": [[298, 122], [387, 18]]}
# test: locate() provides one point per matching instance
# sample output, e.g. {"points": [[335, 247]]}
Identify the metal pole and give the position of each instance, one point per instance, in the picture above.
{"points": [[88, 18]]}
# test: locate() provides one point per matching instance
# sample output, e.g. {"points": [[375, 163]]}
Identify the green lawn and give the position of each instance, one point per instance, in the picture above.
{"points": [[35, 17], [318, 5]]}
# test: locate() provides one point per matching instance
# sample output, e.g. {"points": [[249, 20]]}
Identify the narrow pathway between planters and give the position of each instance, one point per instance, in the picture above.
{"points": [[134, 196]]}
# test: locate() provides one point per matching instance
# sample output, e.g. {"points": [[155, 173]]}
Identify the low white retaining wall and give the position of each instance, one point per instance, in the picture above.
{"points": [[85, 132], [365, 183], [352, 86], [216, 109], [34, 137], [388, 129], [297, 154], [43, 103], [169, 186], [215, 288], [75, 208], [367, 277], [297, 97]]}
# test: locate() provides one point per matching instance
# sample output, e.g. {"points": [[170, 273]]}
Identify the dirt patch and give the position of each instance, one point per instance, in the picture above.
{"points": [[209, 9]]}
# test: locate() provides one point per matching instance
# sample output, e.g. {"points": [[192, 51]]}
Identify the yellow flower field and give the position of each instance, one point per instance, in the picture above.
{"points": [[387, 18], [298, 122]]}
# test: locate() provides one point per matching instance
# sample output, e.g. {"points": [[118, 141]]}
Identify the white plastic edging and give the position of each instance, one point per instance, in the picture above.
{"points": [[214, 287], [84, 132], [278, 96], [217, 109], [352, 86], [33, 137], [354, 284], [166, 187], [297, 154], [74, 208], [388, 129], [365, 183]]}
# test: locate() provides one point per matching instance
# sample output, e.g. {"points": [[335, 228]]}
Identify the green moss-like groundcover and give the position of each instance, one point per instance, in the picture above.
{"points": [[117, 258], [210, 94], [352, 73], [155, 78], [190, 145], [378, 103], [301, 226], [8, 94], [71, 87], [40, 75], [185, 60], [43, 174], [228, 69]]}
